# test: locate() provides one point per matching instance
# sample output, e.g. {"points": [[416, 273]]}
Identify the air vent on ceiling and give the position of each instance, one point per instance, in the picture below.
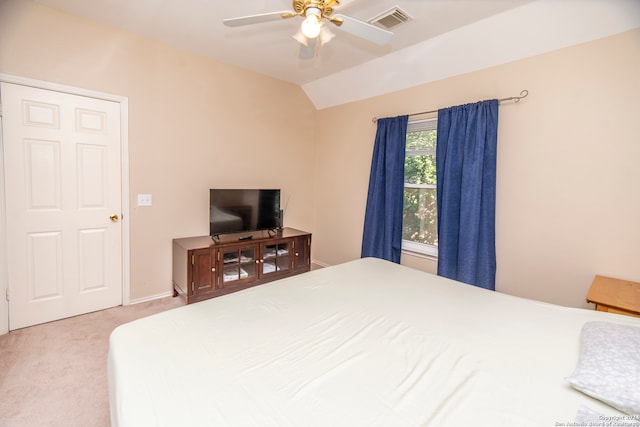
{"points": [[391, 18]]}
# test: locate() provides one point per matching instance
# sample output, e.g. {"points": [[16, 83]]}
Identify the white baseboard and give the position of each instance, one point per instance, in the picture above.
{"points": [[151, 298], [321, 264]]}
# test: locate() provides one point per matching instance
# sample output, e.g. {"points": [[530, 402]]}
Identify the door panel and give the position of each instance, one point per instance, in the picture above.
{"points": [[204, 278], [62, 182], [301, 255], [44, 266], [92, 176], [42, 166], [93, 259]]}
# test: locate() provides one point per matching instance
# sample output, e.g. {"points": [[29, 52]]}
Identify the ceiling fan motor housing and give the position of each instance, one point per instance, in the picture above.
{"points": [[324, 7]]}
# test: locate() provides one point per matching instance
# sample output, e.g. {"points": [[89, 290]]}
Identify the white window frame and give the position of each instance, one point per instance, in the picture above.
{"points": [[408, 246]]}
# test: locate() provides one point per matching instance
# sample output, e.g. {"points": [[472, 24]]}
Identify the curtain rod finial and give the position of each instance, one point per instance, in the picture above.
{"points": [[523, 94]]}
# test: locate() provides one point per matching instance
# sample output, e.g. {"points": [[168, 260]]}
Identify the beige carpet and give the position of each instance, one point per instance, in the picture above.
{"points": [[55, 374]]}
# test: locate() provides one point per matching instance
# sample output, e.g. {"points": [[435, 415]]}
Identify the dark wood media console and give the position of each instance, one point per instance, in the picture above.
{"points": [[204, 268]]}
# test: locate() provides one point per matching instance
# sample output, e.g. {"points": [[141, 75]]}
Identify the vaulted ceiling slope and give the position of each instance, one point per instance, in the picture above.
{"points": [[444, 37]]}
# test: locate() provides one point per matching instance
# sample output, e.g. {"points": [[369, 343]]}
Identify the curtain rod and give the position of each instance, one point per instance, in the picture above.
{"points": [[523, 94]]}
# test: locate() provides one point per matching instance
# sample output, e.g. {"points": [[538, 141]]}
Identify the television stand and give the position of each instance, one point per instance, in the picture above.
{"points": [[204, 268]]}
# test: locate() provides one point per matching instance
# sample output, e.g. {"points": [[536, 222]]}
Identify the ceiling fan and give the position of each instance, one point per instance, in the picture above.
{"points": [[313, 32]]}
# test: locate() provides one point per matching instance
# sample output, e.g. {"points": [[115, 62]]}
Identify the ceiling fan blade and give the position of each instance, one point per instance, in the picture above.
{"points": [[309, 50], [257, 19], [309, 47], [364, 30]]}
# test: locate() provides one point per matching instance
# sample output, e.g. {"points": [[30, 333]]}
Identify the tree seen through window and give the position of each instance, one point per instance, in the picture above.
{"points": [[419, 222]]}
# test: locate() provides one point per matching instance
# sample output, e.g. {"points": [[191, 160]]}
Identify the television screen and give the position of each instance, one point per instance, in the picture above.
{"points": [[236, 211]]}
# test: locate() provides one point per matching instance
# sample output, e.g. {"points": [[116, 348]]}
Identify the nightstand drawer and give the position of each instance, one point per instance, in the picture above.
{"points": [[615, 296]]}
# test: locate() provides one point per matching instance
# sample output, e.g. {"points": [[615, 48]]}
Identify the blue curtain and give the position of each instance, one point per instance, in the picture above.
{"points": [[466, 192], [382, 237]]}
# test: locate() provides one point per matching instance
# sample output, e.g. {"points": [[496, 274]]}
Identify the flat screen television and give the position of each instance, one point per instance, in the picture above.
{"points": [[243, 210]]}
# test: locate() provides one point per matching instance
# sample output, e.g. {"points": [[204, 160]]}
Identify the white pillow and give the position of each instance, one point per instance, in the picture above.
{"points": [[609, 365]]}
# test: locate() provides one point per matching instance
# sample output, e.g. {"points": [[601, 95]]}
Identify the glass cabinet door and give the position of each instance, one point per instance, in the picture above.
{"points": [[239, 265], [275, 258]]}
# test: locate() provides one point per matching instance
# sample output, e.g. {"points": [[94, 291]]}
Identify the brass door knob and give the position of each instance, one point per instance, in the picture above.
{"points": [[114, 218]]}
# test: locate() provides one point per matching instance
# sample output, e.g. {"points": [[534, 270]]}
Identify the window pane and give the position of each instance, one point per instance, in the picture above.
{"points": [[420, 169], [420, 161], [419, 222], [421, 140]]}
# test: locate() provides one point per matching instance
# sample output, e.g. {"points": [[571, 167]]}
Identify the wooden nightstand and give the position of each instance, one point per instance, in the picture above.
{"points": [[615, 296]]}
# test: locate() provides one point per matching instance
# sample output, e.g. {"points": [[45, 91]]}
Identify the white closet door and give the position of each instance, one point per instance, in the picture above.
{"points": [[62, 157]]}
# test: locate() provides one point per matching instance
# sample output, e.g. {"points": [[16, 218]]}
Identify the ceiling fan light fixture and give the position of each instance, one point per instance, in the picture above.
{"points": [[301, 38], [311, 25], [325, 36]]}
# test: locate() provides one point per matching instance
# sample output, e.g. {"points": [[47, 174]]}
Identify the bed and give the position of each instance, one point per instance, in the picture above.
{"points": [[365, 343]]}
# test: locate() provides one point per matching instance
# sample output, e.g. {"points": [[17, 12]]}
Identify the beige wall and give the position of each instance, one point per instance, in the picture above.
{"points": [[193, 124], [568, 196]]}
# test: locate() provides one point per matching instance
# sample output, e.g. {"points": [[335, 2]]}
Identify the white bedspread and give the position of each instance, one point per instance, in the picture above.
{"points": [[366, 343]]}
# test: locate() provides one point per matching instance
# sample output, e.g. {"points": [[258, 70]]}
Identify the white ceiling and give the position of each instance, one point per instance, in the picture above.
{"points": [[269, 48]]}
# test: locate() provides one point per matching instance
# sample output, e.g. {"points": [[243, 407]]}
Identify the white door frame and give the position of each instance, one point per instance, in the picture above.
{"points": [[124, 138], [4, 284]]}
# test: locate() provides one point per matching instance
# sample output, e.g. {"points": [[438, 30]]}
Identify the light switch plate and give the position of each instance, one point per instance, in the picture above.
{"points": [[144, 200]]}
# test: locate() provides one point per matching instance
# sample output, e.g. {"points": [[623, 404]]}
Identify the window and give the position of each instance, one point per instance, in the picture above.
{"points": [[419, 219]]}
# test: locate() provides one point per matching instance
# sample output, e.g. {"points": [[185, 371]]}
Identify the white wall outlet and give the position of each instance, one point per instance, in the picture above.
{"points": [[144, 200]]}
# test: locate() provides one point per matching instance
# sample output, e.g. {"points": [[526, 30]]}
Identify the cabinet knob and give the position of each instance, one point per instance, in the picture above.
{"points": [[297, 254], [213, 269]]}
